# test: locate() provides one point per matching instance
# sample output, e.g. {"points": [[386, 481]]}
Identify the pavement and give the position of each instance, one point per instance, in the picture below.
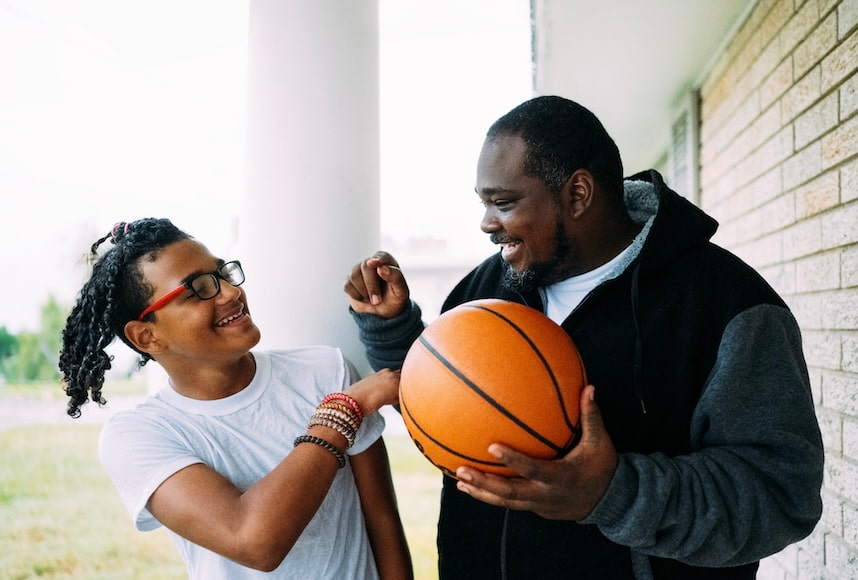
{"points": [[19, 412]]}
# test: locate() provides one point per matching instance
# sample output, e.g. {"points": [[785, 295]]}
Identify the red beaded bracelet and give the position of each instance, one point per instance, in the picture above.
{"points": [[344, 397]]}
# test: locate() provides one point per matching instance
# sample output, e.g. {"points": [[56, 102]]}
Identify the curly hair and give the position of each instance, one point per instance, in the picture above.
{"points": [[115, 294], [561, 137]]}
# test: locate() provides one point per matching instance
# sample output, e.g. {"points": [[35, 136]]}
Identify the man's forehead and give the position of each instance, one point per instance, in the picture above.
{"points": [[504, 144], [501, 159]]}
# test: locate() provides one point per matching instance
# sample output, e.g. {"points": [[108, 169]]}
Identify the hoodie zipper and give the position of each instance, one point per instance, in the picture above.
{"points": [[503, 542], [637, 368]]}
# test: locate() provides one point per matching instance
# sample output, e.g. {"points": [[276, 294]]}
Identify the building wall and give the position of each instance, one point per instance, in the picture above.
{"points": [[779, 170]]}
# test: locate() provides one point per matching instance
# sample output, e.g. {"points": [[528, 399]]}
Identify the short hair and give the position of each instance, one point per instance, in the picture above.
{"points": [[562, 136]]}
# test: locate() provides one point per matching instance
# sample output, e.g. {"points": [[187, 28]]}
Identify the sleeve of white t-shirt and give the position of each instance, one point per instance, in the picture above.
{"points": [[372, 425], [139, 454]]}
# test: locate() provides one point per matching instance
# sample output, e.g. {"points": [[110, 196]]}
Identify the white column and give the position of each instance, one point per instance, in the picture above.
{"points": [[311, 207]]}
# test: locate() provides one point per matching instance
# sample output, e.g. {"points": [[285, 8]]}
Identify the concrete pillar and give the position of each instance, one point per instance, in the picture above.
{"points": [[311, 207]]}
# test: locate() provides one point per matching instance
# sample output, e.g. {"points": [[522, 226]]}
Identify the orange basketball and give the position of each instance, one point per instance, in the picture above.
{"points": [[491, 371]]}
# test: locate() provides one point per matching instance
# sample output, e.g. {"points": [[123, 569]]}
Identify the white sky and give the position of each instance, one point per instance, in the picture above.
{"points": [[111, 110]]}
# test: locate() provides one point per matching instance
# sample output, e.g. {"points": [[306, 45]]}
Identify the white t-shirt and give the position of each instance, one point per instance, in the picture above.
{"points": [[563, 297], [244, 437]]}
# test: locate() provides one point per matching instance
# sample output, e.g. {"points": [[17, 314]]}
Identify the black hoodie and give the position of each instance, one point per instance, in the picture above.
{"points": [[702, 384]]}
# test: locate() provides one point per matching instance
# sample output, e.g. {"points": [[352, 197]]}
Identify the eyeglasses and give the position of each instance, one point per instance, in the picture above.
{"points": [[205, 286]]}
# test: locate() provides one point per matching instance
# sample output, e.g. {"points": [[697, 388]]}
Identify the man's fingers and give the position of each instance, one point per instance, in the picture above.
{"points": [[377, 285], [511, 492], [521, 464], [372, 279], [592, 426], [355, 285]]}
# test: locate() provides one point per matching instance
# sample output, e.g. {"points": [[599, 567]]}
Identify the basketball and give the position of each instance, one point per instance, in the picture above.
{"points": [[491, 371]]}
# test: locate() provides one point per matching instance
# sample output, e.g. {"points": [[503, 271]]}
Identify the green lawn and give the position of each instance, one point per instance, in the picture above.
{"points": [[418, 490], [61, 518]]}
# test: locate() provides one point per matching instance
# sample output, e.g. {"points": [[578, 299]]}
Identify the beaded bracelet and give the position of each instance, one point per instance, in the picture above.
{"points": [[342, 407], [344, 397], [340, 417], [338, 426], [341, 459], [347, 432], [340, 414]]}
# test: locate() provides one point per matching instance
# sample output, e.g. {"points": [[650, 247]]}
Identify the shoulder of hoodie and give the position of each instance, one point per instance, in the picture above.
{"points": [[679, 253], [703, 275]]}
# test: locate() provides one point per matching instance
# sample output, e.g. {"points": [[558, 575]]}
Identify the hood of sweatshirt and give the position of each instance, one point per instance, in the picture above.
{"points": [[672, 223]]}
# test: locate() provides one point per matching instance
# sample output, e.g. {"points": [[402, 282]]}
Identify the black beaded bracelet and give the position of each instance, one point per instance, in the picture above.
{"points": [[341, 459]]}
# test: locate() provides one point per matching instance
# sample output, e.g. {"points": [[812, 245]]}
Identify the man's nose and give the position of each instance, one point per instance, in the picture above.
{"points": [[490, 222]]}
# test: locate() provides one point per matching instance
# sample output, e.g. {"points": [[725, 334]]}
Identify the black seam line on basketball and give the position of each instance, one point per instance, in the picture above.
{"points": [[474, 387], [404, 407], [545, 364]]}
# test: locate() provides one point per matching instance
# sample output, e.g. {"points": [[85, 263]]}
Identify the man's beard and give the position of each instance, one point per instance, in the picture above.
{"points": [[540, 273]]}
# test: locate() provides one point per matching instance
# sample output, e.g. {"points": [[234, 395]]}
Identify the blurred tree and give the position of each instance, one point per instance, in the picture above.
{"points": [[8, 343], [50, 335], [31, 357], [8, 348], [30, 364]]}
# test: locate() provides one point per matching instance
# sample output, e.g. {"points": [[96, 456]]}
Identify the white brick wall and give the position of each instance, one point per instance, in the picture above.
{"points": [[779, 170]]}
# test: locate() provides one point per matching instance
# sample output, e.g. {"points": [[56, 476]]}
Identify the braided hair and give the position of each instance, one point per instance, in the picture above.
{"points": [[115, 294]]}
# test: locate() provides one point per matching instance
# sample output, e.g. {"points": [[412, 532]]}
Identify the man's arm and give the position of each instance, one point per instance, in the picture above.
{"points": [[387, 340], [387, 320], [750, 488]]}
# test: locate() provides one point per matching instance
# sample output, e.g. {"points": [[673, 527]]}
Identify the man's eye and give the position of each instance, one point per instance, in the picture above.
{"points": [[500, 204]]}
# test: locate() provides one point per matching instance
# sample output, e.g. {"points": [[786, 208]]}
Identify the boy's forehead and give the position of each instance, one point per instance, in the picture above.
{"points": [[177, 261]]}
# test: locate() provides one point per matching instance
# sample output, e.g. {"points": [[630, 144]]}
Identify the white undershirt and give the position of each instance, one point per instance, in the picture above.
{"points": [[563, 297]]}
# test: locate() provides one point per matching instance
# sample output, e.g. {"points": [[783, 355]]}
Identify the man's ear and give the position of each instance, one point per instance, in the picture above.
{"points": [[140, 334], [578, 190]]}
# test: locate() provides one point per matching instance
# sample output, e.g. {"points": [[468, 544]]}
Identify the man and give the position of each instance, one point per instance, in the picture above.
{"points": [[700, 451]]}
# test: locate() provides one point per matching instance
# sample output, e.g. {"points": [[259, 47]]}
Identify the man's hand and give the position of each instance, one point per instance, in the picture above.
{"points": [[376, 285], [563, 489]]}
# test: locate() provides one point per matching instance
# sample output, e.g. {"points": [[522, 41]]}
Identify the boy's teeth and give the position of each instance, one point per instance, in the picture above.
{"points": [[228, 320]]}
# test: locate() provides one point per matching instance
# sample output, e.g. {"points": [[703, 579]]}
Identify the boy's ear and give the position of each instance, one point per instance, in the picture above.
{"points": [[141, 336]]}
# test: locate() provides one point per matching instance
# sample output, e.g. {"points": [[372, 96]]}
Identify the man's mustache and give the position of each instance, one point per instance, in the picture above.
{"points": [[500, 239]]}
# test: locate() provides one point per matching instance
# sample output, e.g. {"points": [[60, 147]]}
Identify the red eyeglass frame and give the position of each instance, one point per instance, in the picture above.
{"points": [[163, 301]]}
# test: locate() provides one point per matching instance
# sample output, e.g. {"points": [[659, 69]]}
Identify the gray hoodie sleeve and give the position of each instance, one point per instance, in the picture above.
{"points": [[387, 340], [752, 484]]}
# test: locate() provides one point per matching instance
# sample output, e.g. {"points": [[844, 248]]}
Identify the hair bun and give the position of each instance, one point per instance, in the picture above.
{"points": [[118, 231]]}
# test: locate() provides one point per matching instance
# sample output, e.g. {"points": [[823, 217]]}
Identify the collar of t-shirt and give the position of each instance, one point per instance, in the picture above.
{"points": [[562, 298], [227, 405]]}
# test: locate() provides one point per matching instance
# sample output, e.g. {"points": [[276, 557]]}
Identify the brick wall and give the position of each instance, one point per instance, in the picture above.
{"points": [[779, 170]]}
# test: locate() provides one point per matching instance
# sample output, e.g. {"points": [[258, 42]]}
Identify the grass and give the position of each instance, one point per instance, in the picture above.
{"points": [[61, 516], [62, 519], [418, 492]]}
